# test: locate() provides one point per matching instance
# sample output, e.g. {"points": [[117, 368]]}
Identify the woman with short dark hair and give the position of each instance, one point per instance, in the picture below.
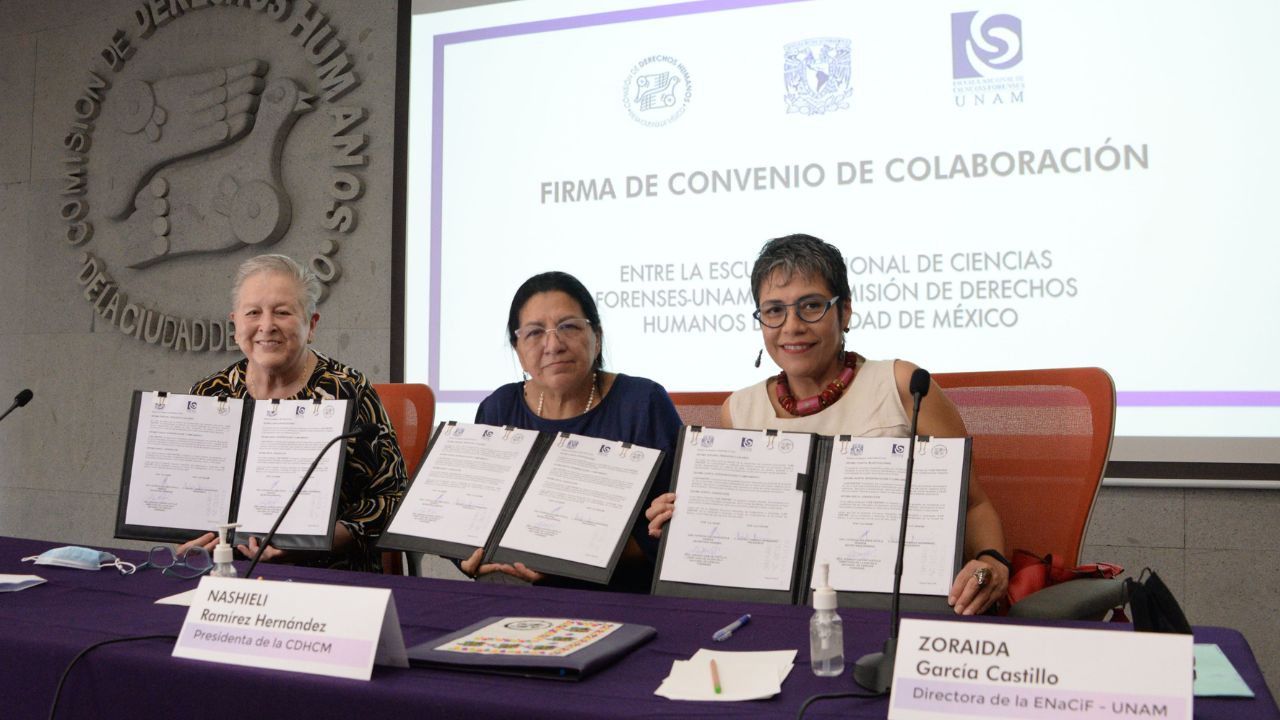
{"points": [[801, 289]]}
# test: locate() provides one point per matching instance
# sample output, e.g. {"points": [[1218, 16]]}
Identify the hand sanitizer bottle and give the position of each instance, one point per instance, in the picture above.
{"points": [[826, 631], [224, 553]]}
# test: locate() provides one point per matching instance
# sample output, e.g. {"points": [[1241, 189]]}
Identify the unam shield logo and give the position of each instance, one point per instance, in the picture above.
{"points": [[980, 47], [817, 74], [657, 91]]}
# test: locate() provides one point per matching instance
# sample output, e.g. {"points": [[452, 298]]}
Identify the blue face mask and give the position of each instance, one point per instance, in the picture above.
{"points": [[81, 558]]}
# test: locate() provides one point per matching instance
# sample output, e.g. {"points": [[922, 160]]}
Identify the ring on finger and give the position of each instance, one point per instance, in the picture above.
{"points": [[982, 575]]}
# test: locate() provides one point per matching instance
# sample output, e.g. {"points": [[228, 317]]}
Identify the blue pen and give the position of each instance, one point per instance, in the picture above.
{"points": [[727, 631]]}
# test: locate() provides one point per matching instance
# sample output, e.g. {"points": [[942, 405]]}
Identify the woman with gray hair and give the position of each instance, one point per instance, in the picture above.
{"points": [[801, 289], [273, 305]]}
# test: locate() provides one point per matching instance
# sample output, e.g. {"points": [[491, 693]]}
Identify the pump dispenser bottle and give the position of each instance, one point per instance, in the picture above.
{"points": [[224, 553], [826, 630]]}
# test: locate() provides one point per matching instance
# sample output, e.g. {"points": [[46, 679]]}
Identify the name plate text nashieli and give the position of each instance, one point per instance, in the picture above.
{"points": [[300, 627]]}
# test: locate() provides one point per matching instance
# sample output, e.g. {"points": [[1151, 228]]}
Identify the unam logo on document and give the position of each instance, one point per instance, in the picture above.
{"points": [[657, 91], [986, 52]]}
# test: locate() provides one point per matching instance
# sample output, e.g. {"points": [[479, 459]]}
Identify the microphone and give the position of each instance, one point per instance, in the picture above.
{"points": [[367, 433], [21, 399], [874, 671], [758, 356]]}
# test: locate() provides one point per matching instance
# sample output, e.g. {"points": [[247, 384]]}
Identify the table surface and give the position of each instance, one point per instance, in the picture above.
{"points": [[43, 628]]}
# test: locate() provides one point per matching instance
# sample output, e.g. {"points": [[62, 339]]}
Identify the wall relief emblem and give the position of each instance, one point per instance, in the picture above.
{"points": [[174, 168]]}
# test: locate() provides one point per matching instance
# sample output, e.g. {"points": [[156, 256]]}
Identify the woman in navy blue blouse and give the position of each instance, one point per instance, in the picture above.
{"points": [[554, 327]]}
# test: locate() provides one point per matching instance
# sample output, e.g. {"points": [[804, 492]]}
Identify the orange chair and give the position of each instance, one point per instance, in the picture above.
{"points": [[412, 410], [1041, 439], [1040, 444], [699, 408]]}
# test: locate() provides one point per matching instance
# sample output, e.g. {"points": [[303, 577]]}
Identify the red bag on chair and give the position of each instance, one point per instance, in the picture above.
{"points": [[1032, 573]]}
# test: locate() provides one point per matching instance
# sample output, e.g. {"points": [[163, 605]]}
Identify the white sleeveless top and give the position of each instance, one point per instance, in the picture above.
{"points": [[871, 407]]}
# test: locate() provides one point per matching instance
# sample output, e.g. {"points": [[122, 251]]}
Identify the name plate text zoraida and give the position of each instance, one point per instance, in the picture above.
{"points": [[988, 670]]}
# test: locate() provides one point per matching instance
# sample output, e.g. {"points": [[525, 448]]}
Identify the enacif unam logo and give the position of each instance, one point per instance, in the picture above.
{"points": [[986, 54], [984, 45]]}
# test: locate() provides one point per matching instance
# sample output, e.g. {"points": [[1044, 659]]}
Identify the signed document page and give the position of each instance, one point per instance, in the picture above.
{"points": [[862, 508], [464, 483], [286, 437], [738, 510], [184, 461], [582, 500]]}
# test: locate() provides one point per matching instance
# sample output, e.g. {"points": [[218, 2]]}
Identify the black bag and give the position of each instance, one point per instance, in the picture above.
{"points": [[1154, 607]]}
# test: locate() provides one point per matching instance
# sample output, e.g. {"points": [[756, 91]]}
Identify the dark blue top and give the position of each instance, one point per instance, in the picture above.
{"points": [[637, 411]]}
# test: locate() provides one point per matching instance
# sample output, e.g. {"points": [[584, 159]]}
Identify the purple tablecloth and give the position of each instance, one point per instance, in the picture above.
{"points": [[42, 628]]}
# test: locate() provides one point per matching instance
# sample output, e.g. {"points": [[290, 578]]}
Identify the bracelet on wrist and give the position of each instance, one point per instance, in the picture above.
{"points": [[997, 556]]}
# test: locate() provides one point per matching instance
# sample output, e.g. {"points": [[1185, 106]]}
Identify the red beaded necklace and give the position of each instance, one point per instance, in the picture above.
{"points": [[822, 400]]}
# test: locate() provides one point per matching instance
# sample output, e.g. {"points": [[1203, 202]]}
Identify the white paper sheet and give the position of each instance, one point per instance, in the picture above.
{"points": [[581, 500], [183, 598], [14, 583], [738, 511], [463, 483], [743, 675], [285, 439], [184, 458], [783, 661], [863, 506]]}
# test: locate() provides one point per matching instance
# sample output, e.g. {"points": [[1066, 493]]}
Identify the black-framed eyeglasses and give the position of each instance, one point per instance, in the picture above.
{"points": [[568, 330], [808, 309], [192, 563]]}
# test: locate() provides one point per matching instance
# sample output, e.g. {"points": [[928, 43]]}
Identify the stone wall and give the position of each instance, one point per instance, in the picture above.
{"points": [[121, 224]]}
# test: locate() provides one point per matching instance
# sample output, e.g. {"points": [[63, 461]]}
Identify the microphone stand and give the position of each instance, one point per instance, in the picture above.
{"points": [[874, 671], [362, 431]]}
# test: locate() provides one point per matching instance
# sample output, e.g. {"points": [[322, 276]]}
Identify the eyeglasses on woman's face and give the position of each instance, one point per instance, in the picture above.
{"points": [[568, 331], [810, 309]]}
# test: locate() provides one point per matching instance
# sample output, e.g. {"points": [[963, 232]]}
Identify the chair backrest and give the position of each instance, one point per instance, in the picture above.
{"points": [[412, 409], [699, 408], [1040, 444]]}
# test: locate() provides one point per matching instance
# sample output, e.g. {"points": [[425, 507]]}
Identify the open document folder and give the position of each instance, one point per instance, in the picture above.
{"points": [[757, 510]]}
